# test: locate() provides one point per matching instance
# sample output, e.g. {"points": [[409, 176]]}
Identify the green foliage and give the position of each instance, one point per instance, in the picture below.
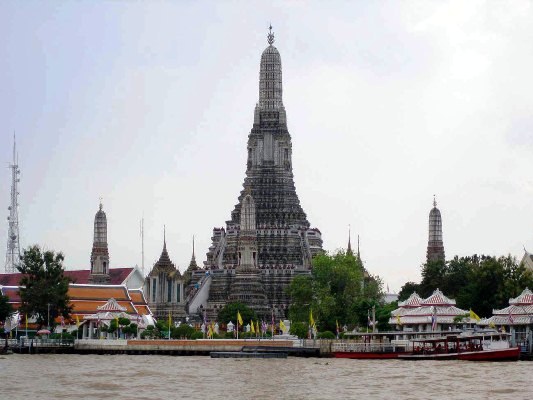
{"points": [[182, 331], [43, 286], [229, 313], [64, 336], [197, 335], [122, 321], [5, 308], [482, 283], [338, 289], [299, 329], [326, 335], [383, 313], [229, 335]]}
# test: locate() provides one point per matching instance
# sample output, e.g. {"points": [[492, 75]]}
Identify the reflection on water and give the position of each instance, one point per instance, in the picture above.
{"points": [[164, 377]]}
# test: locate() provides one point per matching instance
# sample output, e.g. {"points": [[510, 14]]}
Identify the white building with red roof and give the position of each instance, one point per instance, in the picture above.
{"points": [[436, 313], [516, 319]]}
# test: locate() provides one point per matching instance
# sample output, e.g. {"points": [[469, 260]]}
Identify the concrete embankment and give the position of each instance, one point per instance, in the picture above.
{"points": [[175, 347]]}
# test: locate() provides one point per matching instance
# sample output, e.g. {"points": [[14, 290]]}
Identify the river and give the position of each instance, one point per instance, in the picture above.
{"points": [[54, 376]]}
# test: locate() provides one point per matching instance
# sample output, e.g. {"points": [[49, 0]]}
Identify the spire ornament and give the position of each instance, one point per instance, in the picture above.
{"points": [[270, 35]]}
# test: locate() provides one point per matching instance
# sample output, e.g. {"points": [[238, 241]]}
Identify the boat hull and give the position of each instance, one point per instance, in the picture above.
{"points": [[511, 354]]}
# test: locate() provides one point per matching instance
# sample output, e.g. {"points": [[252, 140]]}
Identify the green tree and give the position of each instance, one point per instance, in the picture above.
{"points": [[229, 313], [5, 311], [299, 329], [407, 290], [43, 287], [338, 289]]}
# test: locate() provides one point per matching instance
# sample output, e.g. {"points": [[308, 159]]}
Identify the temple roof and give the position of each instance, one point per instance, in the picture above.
{"points": [[117, 276], [413, 301], [437, 299], [526, 297]]}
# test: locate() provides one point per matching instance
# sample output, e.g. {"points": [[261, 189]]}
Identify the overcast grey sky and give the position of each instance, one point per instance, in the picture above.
{"points": [[149, 105]]}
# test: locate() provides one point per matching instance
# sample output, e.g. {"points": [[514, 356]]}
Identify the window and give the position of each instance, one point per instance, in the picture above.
{"points": [[178, 293], [154, 288], [169, 291]]}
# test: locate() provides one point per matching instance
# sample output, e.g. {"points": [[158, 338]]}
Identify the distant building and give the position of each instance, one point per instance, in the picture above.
{"points": [[516, 319], [100, 252], [435, 313], [164, 288], [435, 249]]}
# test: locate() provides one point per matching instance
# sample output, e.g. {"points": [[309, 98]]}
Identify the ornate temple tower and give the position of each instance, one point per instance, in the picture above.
{"points": [[284, 236], [100, 253], [283, 243], [164, 287], [435, 250]]}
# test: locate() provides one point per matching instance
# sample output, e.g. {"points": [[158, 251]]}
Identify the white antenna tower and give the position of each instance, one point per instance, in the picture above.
{"points": [[142, 245], [13, 243]]}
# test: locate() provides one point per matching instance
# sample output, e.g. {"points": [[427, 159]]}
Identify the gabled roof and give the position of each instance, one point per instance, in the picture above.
{"points": [[438, 299], [12, 292], [98, 292], [111, 305], [526, 297], [117, 276], [413, 301]]}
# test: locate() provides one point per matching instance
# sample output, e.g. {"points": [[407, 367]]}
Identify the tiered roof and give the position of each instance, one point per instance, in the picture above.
{"points": [[117, 276], [416, 310], [519, 311]]}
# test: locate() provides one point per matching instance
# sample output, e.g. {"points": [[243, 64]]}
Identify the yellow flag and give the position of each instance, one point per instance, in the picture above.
{"points": [[311, 319], [282, 325], [398, 320], [473, 315], [492, 325], [252, 327], [257, 327], [77, 321], [239, 318]]}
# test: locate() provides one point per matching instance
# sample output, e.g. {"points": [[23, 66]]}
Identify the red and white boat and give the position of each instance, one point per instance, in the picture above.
{"points": [[378, 345], [481, 346]]}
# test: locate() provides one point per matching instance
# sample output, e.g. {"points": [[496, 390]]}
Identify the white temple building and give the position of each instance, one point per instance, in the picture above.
{"points": [[436, 313]]}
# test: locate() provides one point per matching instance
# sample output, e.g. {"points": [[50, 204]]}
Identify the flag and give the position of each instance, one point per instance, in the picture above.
{"points": [[282, 325], [433, 322], [252, 327], [473, 315], [257, 331], [398, 320], [239, 318], [368, 317], [26, 322], [511, 319], [337, 325], [77, 321], [311, 319], [62, 322], [492, 325]]}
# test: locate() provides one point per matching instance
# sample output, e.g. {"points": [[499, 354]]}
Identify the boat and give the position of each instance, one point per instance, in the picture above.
{"points": [[378, 345], [477, 346]]}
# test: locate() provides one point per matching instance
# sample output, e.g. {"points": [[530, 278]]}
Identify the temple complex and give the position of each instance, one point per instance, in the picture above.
{"points": [[255, 262], [435, 250]]}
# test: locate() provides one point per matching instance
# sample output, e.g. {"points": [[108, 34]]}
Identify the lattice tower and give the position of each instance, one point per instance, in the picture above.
{"points": [[13, 242]]}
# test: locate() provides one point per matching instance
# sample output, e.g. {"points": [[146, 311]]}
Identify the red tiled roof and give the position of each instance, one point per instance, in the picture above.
{"points": [[98, 292], [116, 276]]}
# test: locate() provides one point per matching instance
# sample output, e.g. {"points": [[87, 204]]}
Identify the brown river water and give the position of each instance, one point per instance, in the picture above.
{"points": [[51, 376]]}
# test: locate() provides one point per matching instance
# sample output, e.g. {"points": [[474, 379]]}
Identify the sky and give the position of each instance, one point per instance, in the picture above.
{"points": [[148, 105]]}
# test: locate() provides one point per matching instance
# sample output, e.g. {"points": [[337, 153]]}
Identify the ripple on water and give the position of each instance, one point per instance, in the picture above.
{"points": [[141, 377]]}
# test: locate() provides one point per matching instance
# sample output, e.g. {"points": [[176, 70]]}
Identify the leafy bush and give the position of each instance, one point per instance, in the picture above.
{"points": [[299, 329], [197, 335], [182, 331], [326, 335]]}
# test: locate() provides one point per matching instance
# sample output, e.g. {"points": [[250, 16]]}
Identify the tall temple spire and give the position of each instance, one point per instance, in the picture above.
{"points": [[192, 265], [13, 241], [270, 79], [100, 252], [435, 249]]}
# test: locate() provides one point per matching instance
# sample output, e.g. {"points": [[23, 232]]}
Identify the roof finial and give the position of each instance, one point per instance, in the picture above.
{"points": [[434, 201], [164, 236], [349, 250], [193, 257], [270, 35], [101, 206]]}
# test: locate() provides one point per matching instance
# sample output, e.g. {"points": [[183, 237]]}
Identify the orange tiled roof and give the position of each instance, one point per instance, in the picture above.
{"points": [[98, 292], [91, 307]]}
